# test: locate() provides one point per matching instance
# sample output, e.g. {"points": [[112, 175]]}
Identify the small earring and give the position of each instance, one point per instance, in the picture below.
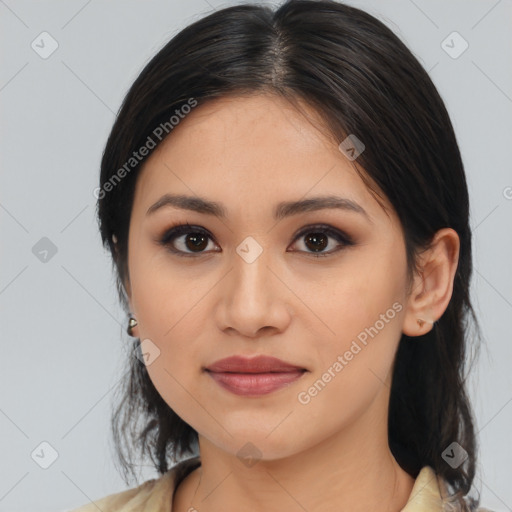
{"points": [[131, 324], [421, 322]]}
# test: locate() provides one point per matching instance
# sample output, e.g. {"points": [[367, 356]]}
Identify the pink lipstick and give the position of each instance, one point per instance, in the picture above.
{"points": [[254, 376]]}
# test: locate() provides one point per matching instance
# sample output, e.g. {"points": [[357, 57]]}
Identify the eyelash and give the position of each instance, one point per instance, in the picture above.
{"points": [[184, 229]]}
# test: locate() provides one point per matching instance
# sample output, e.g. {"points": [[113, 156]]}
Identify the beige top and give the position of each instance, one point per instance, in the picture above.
{"points": [[156, 495]]}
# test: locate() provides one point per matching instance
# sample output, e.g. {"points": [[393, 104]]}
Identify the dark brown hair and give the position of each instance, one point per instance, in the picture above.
{"points": [[361, 79]]}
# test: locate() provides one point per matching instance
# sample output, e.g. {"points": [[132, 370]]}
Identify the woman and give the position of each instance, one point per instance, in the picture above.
{"points": [[286, 207]]}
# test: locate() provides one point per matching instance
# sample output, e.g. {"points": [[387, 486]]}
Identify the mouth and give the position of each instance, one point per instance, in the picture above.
{"points": [[255, 376], [255, 384], [257, 364]]}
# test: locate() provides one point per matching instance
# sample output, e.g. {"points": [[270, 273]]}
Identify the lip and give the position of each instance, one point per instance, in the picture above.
{"points": [[258, 364], [254, 376]]}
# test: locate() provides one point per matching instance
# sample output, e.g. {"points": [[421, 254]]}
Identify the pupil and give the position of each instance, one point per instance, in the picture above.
{"points": [[198, 241], [319, 241]]}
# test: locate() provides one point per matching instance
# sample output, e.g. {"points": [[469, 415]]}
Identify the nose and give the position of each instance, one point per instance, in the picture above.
{"points": [[254, 301]]}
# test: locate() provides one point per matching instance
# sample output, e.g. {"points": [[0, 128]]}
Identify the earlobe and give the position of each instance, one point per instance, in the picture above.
{"points": [[433, 283], [422, 322]]}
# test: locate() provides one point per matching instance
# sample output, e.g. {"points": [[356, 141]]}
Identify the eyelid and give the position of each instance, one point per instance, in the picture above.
{"points": [[179, 229], [340, 236], [336, 233]]}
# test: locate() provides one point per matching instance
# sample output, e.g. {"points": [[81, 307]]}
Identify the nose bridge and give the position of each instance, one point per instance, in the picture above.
{"points": [[251, 274], [254, 298]]}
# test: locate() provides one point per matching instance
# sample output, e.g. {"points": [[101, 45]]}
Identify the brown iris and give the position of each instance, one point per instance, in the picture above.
{"points": [[318, 240], [195, 241]]}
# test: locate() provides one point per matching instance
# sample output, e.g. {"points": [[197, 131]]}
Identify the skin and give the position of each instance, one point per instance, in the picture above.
{"points": [[250, 153]]}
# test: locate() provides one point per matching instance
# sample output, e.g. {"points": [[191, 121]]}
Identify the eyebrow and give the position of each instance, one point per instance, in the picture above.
{"points": [[281, 211]]}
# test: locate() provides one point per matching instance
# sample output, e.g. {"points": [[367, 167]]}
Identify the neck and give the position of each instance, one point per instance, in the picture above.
{"points": [[351, 470]]}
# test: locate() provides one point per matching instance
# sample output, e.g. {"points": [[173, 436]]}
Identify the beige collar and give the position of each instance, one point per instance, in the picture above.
{"points": [[429, 492]]}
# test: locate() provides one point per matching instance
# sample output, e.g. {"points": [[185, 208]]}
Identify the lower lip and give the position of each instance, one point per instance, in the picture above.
{"points": [[255, 384]]}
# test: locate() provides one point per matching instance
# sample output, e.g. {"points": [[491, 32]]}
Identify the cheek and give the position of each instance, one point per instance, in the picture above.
{"points": [[167, 306], [176, 367], [363, 295], [352, 371], [164, 296], [364, 308]]}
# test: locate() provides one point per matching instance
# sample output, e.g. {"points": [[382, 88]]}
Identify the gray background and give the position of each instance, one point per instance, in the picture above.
{"points": [[63, 342]]}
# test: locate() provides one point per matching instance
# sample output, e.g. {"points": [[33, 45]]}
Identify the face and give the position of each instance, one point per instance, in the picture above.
{"points": [[322, 289]]}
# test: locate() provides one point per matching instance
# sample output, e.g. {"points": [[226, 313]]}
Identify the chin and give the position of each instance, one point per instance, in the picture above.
{"points": [[253, 446]]}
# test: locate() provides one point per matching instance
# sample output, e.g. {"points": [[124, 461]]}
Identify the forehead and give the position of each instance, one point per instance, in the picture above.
{"points": [[251, 149], [257, 118]]}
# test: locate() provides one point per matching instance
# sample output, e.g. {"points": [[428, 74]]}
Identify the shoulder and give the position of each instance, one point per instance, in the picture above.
{"points": [[431, 493], [151, 496], [121, 501]]}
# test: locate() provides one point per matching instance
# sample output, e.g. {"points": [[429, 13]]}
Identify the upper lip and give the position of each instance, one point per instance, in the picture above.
{"points": [[258, 364]]}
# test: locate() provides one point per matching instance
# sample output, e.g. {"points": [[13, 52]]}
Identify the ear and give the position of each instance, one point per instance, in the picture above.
{"points": [[126, 287], [128, 295], [432, 286]]}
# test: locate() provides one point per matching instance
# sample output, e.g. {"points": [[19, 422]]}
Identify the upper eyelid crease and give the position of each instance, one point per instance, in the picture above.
{"points": [[185, 228], [282, 210]]}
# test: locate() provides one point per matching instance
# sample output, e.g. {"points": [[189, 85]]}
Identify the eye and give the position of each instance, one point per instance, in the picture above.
{"points": [[187, 240], [316, 238], [183, 238]]}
